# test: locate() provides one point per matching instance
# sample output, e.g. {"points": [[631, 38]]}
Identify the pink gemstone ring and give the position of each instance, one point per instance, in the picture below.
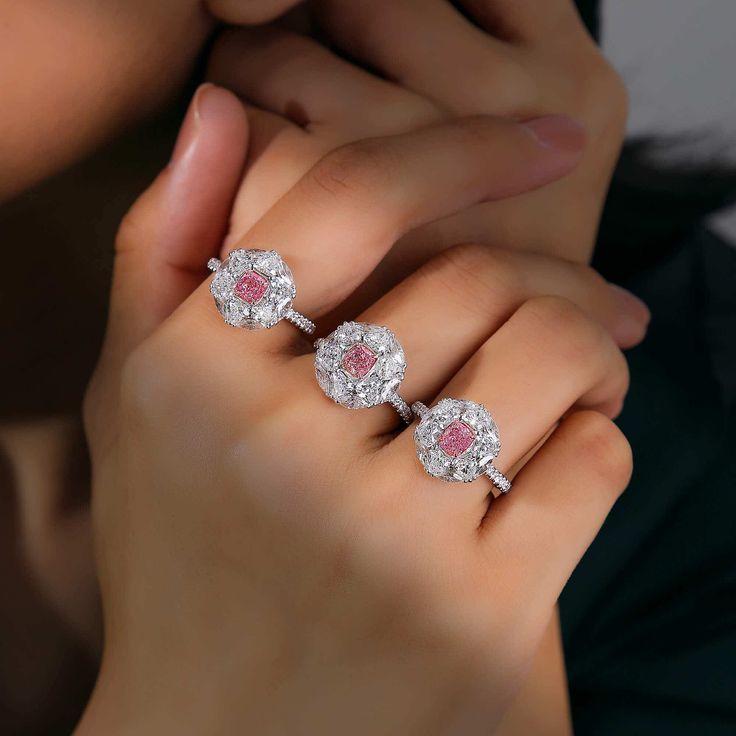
{"points": [[255, 289], [458, 441], [361, 365]]}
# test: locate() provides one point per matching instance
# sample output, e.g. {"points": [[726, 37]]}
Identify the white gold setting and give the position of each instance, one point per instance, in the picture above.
{"points": [[457, 441], [255, 289], [360, 366]]}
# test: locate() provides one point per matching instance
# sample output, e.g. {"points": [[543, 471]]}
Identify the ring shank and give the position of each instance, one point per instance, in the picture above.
{"points": [[403, 409], [497, 478]]}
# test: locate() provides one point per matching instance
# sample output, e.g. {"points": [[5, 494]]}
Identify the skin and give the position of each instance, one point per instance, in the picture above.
{"points": [[519, 59], [129, 57], [340, 567], [93, 117], [516, 59]]}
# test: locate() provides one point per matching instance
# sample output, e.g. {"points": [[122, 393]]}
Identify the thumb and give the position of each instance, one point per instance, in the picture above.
{"points": [[165, 240]]}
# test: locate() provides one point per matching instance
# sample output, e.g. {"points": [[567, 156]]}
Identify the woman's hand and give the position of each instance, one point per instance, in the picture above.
{"points": [[273, 563], [520, 59]]}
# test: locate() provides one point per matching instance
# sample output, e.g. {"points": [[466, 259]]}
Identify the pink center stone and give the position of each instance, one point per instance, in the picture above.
{"points": [[359, 360], [251, 287], [456, 438]]}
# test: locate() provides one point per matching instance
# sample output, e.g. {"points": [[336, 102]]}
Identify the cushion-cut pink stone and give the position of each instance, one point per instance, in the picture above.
{"points": [[359, 360], [456, 438], [251, 287]]}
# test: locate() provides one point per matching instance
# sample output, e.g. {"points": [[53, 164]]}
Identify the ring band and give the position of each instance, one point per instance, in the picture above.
{"points": [[255, 289], [361, 365], [457, 441]]}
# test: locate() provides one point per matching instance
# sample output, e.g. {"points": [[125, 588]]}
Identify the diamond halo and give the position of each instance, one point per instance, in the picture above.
{"points": [[456, 440], [361, 365], [255, 289]]}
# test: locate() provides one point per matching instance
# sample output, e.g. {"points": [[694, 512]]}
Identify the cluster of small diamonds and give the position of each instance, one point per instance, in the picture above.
{"points": [[347, 372], [238, 293], [300, 321], [499, 479], [468, 435]]}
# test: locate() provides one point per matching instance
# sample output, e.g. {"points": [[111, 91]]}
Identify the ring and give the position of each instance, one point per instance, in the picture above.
{"points": [[360, 366], [255, 289], [458, 441]]}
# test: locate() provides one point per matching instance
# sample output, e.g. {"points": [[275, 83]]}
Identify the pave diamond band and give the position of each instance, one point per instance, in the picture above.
{"points": [[255, 289], [457, 441], [361, 365]]}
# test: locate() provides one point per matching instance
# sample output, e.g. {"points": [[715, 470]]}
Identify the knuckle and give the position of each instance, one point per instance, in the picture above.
{"points": [[604, 93], [354, 170], [604, 448], [477, 276], [575, 335]]}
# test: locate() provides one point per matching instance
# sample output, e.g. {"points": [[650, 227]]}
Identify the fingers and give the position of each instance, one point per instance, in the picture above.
{"points": [[279, 154], [547, 358], [298, 78], [524, 20], [463, 296], [535, 536], [179, 221], [338, 222], [429, 47]]}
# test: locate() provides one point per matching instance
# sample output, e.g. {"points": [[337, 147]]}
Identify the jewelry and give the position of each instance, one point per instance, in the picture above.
{"points": [[458, 441], [255, 289], [361, 365]]}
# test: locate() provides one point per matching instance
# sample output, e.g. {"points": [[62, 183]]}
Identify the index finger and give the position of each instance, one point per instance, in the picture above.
{"points": [[335, 225]]}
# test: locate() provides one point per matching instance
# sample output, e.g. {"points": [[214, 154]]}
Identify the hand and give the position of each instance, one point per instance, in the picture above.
{"points": [[273, 563], [532, 59]]}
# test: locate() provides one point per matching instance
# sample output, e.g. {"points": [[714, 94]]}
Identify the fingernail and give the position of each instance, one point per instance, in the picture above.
{"points": [[557, 131], [209, 102], [632, 318]]}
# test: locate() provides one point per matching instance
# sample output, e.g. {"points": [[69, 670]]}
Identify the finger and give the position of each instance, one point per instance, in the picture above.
{"points": [[279, 154], [250, 12], [338, 222], [298, 78], [429, 47], [179, 221], [524, 20], [466, 294], [546, 359], [535, 536]]}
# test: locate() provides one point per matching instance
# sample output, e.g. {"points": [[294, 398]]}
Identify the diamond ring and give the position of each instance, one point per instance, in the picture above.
{"points": [[361, 365], [255, 289], [458, 441]]}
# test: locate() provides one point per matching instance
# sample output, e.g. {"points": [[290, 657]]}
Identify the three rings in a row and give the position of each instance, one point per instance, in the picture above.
{"points": [[360, 366]]}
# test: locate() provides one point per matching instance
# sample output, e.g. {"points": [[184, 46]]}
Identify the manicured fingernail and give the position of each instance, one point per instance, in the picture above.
{"points": [[557, 131], [632, 318], [209, 102]]}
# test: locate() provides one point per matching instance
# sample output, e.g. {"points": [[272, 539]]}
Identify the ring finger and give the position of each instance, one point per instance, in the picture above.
{"points": [[546, 359]]}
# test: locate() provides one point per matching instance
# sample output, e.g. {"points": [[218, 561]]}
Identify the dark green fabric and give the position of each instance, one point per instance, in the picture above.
{"points": [[649, 616]]}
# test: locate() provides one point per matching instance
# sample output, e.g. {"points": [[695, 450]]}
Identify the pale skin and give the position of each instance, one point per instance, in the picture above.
{"points": [[338, 574], [532, 59], [485, 223]]}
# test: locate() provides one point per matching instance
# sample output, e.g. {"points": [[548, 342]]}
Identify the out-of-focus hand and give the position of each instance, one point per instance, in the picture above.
{"points": [[516, 58], [273, 563]]}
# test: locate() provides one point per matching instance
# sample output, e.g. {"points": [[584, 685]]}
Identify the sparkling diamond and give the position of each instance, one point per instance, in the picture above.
{"points": [[358, 360], [456, 439], [251, 287], [360, 365]]}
